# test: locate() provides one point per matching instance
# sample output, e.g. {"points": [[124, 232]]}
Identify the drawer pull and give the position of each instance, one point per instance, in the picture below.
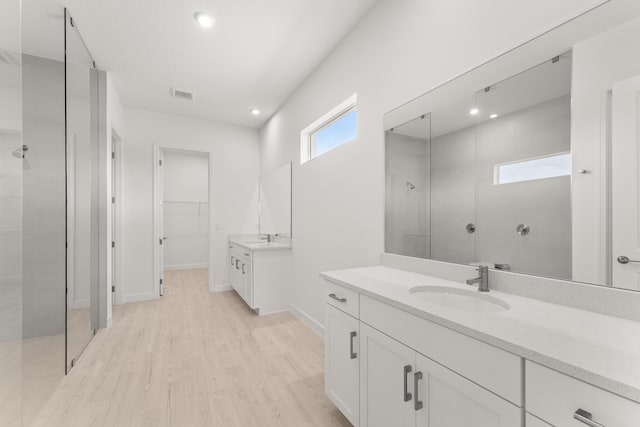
{"points": [[585, 417], [417, 403], [337, 298], [407, 395], [352, 354], [246, 254]]}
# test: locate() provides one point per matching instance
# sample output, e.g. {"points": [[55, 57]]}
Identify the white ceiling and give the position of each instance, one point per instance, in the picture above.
{"points": [[255, 55]]}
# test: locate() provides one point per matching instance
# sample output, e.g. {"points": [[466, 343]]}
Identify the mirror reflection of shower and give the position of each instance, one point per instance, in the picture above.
{"points": [[407, 163]]}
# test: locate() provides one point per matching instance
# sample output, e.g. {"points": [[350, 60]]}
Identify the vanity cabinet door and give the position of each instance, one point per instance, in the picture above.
{"points": [[447, 399], [342, 361], [386, 380], [233, 271]]}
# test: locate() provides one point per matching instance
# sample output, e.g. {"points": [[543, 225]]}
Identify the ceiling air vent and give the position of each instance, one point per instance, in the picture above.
{"points": [[182, 94]]}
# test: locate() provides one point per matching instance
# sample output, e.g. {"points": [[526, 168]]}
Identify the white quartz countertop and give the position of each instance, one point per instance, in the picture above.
{"points": [[598, 349], [256, 244]]}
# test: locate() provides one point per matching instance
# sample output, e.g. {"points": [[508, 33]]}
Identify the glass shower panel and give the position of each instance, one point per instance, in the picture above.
{"points": [[43, 207], [10, 214], [80, 153]]}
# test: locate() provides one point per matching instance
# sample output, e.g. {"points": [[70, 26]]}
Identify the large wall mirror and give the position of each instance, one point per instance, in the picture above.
{"points": [[530, 162], [275, 201]]}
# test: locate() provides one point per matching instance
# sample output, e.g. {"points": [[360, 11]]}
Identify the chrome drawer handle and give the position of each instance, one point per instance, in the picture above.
{"points": [[352, 335], [337, 298], [585, 417], [407, 395], [417, 403]]}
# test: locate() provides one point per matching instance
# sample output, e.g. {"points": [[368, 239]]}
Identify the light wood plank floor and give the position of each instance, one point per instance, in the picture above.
{"points": [[194, 358]]}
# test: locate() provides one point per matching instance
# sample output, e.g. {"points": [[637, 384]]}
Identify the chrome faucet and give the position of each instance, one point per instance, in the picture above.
{"points": [[483, 280]]}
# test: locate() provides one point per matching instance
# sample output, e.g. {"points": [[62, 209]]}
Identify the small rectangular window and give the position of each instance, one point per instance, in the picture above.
{"points": [[335, 128], [532, 169]]}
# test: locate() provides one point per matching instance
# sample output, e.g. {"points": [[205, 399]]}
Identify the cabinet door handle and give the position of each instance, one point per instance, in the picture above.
{"points": [[407, 371], [586, 418], [337, 298], [417, 403], [243, 264], [237, 261], [246, 254], [351, 337], [232, 258]]}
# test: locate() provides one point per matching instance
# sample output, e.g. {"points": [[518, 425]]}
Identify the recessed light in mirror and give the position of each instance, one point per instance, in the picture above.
{"points": [[493, 116], [203, 19], [255, 111], [474, 111]]}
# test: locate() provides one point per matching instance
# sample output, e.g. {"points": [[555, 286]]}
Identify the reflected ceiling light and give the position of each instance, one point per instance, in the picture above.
{"points": [[203, 19], [474, 111], [254, 111], [493, 116]]}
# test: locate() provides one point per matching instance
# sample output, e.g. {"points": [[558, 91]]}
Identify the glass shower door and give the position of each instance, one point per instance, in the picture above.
{"points": [[82, 215]]}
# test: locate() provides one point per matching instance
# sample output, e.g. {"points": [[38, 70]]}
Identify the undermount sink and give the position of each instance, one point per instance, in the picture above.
{"points": [[460, 299]]}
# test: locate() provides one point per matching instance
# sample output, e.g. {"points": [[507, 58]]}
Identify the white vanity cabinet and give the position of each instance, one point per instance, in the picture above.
{"points": [[240, 277], [260, 277], [341, 361], [402, 387], [399, 383], [555, 398]]}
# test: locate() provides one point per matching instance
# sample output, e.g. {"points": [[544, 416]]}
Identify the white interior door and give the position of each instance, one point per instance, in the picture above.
{"points": [[161, 219], [625, 158]]}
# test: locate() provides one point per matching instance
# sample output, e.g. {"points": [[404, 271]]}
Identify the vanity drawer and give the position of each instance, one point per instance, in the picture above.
{"points": [[342, 298], [555, 397], [490, 367]]}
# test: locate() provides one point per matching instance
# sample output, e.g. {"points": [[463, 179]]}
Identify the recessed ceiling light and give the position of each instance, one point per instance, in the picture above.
{"points": [[474, 111], [493, 116], [254, 111], [203, 19]]}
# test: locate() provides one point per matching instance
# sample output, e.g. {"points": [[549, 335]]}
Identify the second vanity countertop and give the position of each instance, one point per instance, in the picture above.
{"points": [[256, 244], [598, 349]]}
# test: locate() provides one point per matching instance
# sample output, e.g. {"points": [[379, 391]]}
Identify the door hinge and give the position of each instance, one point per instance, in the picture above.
{"points": [[113, 244], [113, 200], [160, 162], [161, 281], [113, 155], [113, 288], [160, 240]]}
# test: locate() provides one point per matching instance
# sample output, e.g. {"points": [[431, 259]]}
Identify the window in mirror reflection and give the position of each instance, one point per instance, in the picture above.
{"points": [[533, 169]]}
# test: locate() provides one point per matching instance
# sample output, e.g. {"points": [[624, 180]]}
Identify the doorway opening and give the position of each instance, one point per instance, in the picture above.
{"points": [[183, 212]]}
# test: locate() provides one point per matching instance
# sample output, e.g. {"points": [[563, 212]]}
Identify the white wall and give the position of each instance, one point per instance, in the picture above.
{"points": [[401, 49], [236, 171], [185, 210]]}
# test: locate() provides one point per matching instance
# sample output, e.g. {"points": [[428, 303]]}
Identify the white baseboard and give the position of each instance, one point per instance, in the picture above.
{"points": [[221, 288], [143, 296], [313, 323], [185, 266]]}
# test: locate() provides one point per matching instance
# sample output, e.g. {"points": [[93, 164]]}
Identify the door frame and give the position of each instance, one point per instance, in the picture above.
{"points": [[117, 147], [156, 210]]}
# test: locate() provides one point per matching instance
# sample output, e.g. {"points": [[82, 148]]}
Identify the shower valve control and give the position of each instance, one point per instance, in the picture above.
{"points": [[471, 228]]}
